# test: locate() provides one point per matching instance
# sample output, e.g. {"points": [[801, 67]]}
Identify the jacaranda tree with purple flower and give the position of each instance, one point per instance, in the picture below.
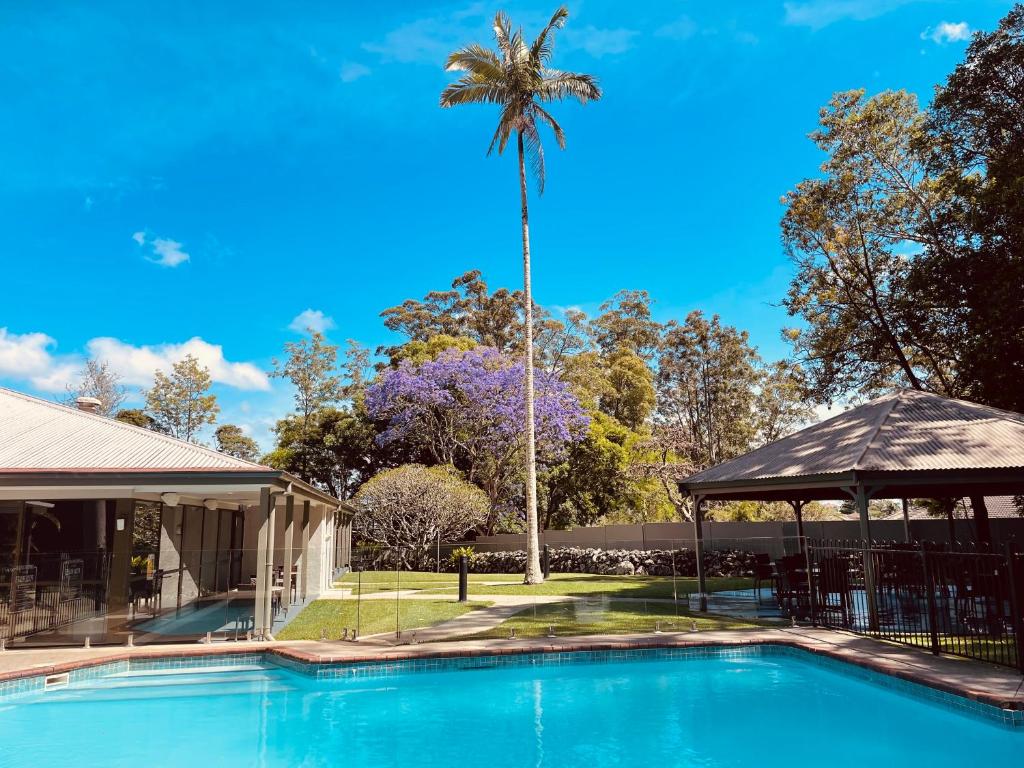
{"points": [[467, 407]]}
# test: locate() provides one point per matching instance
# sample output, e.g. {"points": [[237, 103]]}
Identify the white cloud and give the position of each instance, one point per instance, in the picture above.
{"points": [[311, 320], [426, 41], [947, 32], [600, 42], [136, 364], [27, 357], [162, 250], [682, 28], [821, 13], [352, 71]]}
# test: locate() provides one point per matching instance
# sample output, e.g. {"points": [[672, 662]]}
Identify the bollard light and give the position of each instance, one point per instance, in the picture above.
{"points": [[657, 628], [87, 644], [551, 630], [323, 633], [693, 626]]}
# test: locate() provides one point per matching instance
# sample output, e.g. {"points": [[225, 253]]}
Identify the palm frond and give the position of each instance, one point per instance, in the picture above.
{"points": [[503, 34], [552, 123], [556, 86], [477, 59], [543, 46], [473, 89], [534, 150], [507, 123]]}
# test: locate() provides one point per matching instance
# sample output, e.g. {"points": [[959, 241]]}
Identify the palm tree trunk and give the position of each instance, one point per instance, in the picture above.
{"points": [[533, 575]]}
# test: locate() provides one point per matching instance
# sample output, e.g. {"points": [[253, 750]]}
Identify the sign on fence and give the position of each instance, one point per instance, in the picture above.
{"points": [[23, 588], [71, 579]]}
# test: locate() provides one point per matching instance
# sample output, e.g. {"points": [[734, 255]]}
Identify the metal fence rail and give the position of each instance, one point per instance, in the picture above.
{"points": [[960, 601]]}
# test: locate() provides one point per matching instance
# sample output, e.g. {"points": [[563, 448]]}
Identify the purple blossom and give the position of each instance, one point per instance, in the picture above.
{"points": [[474, 402]]}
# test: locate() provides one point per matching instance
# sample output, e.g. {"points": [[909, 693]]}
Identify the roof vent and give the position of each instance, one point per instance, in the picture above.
{"points": [[88, 404]]}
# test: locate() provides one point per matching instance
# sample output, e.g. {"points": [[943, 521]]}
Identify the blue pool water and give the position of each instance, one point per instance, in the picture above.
{"points": [[744, 711]]}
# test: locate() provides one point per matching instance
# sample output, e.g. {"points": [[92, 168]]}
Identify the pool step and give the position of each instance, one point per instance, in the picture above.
{"points": [[186, 671], [148, 693], [169, 681], [181, 682]]}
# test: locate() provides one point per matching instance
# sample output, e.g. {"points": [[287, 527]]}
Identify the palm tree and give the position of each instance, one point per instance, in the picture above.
{"points": [[518, 79]]}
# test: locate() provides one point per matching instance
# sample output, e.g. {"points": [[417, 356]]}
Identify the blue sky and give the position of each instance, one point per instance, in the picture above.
{"points": [[195, 176]]}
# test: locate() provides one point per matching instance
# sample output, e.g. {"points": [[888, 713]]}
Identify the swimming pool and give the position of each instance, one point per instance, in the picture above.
{"points": [[748, 708]]}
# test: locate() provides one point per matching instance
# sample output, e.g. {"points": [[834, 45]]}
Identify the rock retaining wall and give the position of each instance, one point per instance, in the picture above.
{"points": [[653, 562]]}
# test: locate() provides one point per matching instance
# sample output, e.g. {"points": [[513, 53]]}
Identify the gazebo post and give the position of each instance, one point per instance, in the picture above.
{"points": [[861, 497], [982, 527], [906, 520], [798, 507], [698, 547]]}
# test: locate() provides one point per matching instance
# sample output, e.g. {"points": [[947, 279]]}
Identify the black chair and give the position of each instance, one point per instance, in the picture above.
{"points": [[764, 571], [834, 595]]}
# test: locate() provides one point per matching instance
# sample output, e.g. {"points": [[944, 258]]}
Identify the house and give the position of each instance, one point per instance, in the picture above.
{"points": [[114, 533]]}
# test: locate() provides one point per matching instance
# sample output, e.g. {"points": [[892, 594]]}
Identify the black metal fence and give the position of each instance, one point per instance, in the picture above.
{"points": [[956, 600], [52, 592]]}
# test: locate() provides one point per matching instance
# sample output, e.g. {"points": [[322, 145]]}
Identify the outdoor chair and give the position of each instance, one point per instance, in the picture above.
{"points": [[834, 595], [792, 593], [764, 571]]}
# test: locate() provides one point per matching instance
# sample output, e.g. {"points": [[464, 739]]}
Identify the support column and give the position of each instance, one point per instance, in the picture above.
{"points": [[983, 528], [289, 539], [304, 554], [265, 565], [798, 507], [906, 520], [121, 553], [861, 498], [698, 546]]}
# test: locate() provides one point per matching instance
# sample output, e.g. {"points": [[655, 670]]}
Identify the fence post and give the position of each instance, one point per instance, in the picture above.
{"points": [[463, 578], [810, 581], [1015, 603], [929, 585]]}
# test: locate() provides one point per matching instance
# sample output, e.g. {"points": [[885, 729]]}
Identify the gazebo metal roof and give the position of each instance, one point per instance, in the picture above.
{"points": [[905, 444]]}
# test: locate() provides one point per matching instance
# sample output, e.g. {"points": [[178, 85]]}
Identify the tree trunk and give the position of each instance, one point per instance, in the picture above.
{"points": [[533, 574]]}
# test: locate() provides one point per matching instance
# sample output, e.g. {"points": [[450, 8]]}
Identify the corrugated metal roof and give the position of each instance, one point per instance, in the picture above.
{"points": [[907, 430], [38, 435]]}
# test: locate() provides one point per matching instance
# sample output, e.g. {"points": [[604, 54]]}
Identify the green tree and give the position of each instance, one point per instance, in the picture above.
{"points": [[136, 417], [707, 378], [412, 507], [234, 442], [630, 395], [973, 273], [625, 324], [98, 380], [594, 480], [332, 448], [518, 79], [181, 403], [848, 232], [780, 407], [468, 310], [419, 351], [310, 365]]}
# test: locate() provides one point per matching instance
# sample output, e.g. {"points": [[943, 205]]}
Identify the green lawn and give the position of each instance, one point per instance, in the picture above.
{"points": [[608, 617], [373, 616], [576, 584]]}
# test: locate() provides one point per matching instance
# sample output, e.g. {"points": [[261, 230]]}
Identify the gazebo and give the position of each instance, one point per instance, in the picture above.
{"points": [[905, 445]]}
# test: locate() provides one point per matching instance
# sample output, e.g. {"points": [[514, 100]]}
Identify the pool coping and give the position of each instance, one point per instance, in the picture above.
{"points": [[954, 681]]}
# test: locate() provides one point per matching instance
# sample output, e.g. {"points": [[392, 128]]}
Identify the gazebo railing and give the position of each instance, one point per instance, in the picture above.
{"points": [[964, 601]]}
